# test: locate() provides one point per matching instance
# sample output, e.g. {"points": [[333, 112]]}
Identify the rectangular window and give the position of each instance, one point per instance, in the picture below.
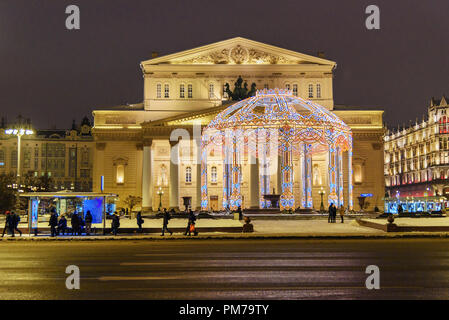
{"points": [[318, 90], [120, 174], [295, 90], [190, 91], [158, 91], [181, 91], [188, 174], [166, 91], [213, 175], [310, 90], [211, 91], [265, 86]]}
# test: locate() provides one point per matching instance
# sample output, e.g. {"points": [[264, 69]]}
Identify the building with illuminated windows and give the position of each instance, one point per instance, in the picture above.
{"points": [[417, 162], [65, 156], [182, 95]]}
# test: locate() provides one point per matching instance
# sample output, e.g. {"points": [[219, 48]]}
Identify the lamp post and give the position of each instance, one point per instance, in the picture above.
{"points": [[160, 192], [19, 132], [322, 192]]}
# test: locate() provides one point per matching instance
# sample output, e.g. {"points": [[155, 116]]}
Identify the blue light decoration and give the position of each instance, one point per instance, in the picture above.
{"points": [[95, 206], [34, 213], [297, 128], [366, 195]]}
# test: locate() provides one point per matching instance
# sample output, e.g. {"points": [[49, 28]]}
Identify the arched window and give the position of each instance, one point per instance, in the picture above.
{"points": [[190, 91], [158, 91], [211, 91], [120, 179], [166, 91], [295, 89], [287, 86], [310, 90], [213, 174], [182, 91], [162, 180], [358, 177], [188, 174], [318, 90]]}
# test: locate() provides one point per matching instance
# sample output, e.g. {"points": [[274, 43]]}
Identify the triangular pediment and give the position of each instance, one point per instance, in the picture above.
{"points": [[238, 51]]}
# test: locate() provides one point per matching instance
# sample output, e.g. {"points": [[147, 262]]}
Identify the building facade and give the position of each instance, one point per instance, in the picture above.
{"points": [[184, 91], [417, 160], [65, 156]]}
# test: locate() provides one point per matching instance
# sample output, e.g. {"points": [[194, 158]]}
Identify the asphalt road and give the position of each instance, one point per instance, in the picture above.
{"points": [[226, 269]]}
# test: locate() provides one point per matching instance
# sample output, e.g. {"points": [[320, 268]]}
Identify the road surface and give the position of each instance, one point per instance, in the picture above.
{"points": [[226, 269]]}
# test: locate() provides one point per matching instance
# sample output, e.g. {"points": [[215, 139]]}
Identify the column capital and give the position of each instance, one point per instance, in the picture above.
{"points": [[147, 142]]}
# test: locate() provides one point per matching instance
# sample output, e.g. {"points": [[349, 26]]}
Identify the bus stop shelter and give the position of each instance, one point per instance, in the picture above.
{"points": [[96, 203]]}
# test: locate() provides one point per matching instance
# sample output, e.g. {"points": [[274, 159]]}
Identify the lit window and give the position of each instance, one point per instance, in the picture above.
{"points": [[188, 174], [182, 91], [166, 91], [318, 90], [310, 90], [357, 173], [211, 91], [190, 91], [265, 86], [295, 90], [120, 173], [2, 158], [213, 174], [158, 91], [14, 158], [287, 86]]}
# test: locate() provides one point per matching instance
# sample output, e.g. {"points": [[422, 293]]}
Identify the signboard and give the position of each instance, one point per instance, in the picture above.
{"points": [[34, 213], [366, 195], [95, 206]]}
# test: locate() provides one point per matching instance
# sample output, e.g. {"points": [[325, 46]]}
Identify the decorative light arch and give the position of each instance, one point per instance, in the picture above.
{"points": [[275, 120]]}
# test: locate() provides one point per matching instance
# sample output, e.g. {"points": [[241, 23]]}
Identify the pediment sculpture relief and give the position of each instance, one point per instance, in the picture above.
{"points": [[238, 55]]}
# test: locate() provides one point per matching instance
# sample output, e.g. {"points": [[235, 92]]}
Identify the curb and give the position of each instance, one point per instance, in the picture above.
{"points": [[237, 237]]}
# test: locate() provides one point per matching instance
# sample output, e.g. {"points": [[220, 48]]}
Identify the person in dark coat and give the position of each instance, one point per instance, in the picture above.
{"points": [[192, 219], [115, 223], [140, 221], [53, 222], [15, 220], [400, 209], [8, 224], [329, 218], [75, 220], [88, 222], [334, 213], [166, 218], [239, 211], [62, 225]]}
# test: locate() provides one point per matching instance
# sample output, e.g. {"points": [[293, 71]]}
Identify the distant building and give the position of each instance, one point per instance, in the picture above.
{"points": [[66, 156], [417, 162]]}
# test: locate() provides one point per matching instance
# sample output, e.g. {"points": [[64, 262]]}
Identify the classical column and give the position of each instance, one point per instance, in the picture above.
{"points": [[204, 194], [174, 179], [147, 181], [254, 187]]}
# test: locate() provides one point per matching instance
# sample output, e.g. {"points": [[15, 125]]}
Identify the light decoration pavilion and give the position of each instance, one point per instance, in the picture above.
{"points": [[275, 122]]}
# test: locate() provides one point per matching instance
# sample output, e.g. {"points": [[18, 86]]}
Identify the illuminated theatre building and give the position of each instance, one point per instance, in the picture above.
{"points": [[417, 162], [284, 136]]}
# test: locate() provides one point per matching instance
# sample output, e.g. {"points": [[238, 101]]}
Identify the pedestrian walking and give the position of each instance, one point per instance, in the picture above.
{"points": [[62, 225], [88, 222], [341, 211], [8, 224], [75, 221], [53, 222], [191, 223], [115, 223], [15, 220], [166, 218], [140, 221]]}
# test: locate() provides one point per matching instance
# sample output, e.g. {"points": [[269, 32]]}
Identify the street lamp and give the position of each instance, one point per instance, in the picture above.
{"points": [[19, 132], [322, 192], [160, 192]]}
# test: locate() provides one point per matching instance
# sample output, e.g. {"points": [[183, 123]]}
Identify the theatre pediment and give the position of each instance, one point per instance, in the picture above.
{"points": [[238, 51]]}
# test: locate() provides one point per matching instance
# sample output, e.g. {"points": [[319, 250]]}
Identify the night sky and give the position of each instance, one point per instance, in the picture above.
{"points": [[54, 75]]}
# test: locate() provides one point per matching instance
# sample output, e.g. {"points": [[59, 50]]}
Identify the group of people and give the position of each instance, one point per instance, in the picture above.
{"points": [[191, 228], [11, 223], [59, 226], [333, 213]]}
